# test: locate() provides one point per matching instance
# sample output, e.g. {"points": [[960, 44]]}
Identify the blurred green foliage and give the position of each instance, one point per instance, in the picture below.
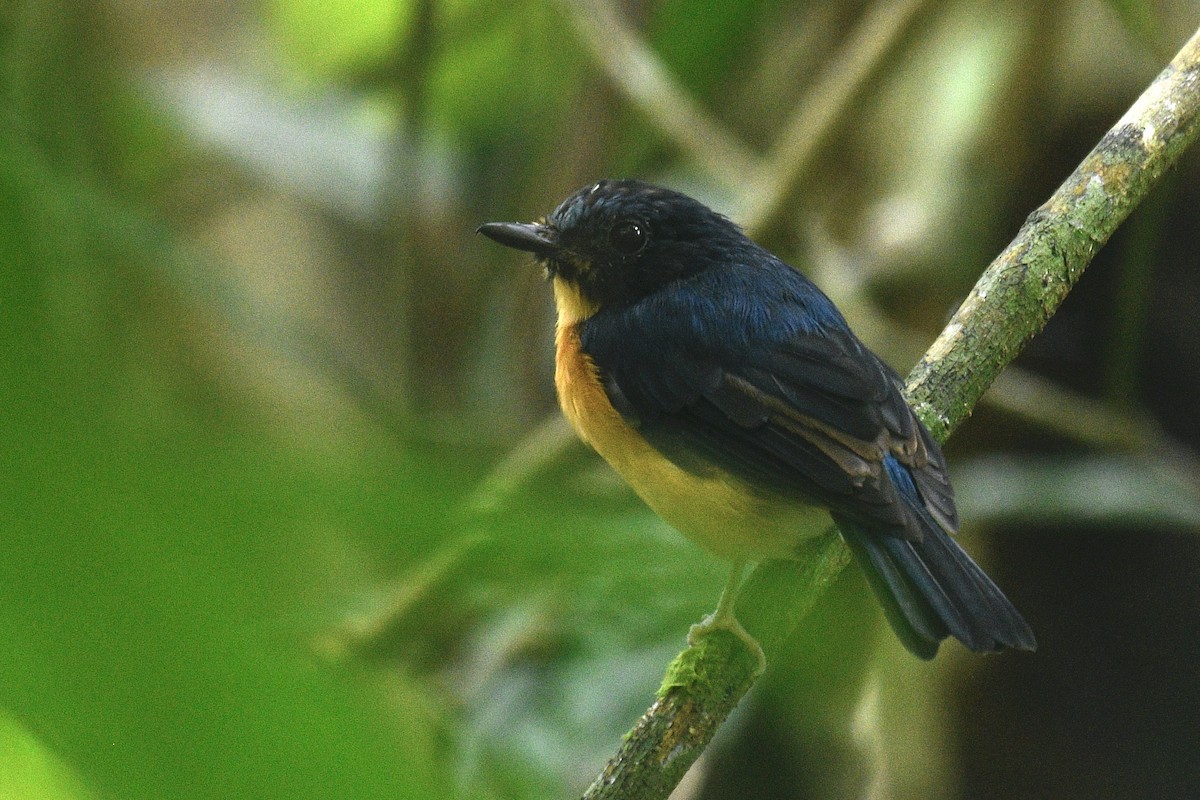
{"points": [[327, 40], [164, 558], [282, 510]]}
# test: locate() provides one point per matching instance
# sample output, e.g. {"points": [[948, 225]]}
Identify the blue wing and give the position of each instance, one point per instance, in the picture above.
{"points": [[753, 369]]}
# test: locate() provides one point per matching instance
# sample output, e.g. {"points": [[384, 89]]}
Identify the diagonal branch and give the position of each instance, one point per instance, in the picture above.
{"points": [[1027, 282], [1009, 305]]}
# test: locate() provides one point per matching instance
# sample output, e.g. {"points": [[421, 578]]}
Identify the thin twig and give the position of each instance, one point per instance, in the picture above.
{"points": [[842, 77], [542, 448], [638, 72], [1009, 305]]}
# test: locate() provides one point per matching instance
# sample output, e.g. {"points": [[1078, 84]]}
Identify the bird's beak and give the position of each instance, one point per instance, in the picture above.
{"points": [[532, 237]]}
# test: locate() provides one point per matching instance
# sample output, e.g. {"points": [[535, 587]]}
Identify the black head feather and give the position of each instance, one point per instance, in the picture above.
{"points": [[621, 240]]}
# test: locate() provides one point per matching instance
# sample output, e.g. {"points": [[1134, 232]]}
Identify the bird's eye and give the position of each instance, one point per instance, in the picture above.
{"points": [[628, 237]]}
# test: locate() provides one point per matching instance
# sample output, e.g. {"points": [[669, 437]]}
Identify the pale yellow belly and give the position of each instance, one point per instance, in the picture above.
{"points": [[717, 511]]}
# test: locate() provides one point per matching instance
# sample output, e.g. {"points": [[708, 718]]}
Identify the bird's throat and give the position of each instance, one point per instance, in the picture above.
{"points": [[573, 307]]}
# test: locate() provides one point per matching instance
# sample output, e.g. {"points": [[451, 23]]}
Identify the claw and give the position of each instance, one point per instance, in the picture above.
{"points": [[723, 619]]}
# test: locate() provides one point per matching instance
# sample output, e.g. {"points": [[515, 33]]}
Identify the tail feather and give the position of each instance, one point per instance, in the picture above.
{"points": [[1006, 627], [930, 589], [919, 627]]}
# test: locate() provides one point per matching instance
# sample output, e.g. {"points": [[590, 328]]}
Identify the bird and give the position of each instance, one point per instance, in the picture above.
{"points": [[730, 393]]}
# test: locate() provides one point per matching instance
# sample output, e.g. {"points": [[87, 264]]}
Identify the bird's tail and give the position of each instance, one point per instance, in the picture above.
{"points": [[930, 589]]}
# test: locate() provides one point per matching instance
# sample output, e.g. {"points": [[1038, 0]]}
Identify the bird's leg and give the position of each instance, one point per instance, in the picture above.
{"points": [[724, 619]]}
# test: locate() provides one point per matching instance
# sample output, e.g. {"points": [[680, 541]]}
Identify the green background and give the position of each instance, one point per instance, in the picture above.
{"points": [[286, 509]]}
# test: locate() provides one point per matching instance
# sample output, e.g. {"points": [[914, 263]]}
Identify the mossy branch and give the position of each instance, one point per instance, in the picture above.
{"points": [[1025, 285], [1009, 305]]}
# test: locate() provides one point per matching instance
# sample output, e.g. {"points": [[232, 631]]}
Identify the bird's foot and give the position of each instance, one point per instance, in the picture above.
{"points": [[727, 622]]}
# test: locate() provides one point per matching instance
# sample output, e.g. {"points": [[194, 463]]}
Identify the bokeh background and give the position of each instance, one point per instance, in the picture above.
{"points": [[286, 508]]}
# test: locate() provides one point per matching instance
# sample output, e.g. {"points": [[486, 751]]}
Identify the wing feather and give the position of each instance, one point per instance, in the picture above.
{"points": [[799, 408]]}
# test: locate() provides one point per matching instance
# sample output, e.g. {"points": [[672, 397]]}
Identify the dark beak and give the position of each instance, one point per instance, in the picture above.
{"points": [[532, 237]]}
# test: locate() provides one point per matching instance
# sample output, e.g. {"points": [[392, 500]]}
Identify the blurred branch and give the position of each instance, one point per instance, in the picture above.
{"points": [[371, 632], [540, 449], [638, 72], [845, 74], [1009, 305], [1097, 423]]}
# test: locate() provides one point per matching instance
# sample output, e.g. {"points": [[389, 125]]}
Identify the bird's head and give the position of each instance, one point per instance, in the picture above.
{"points": [[616, 242]]}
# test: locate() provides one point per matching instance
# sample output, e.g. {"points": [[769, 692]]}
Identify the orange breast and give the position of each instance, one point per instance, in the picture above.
{"points": [[716, 510]]}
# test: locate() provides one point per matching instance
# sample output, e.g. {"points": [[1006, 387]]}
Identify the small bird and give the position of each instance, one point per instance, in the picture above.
{"points": [[731, 395]]}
